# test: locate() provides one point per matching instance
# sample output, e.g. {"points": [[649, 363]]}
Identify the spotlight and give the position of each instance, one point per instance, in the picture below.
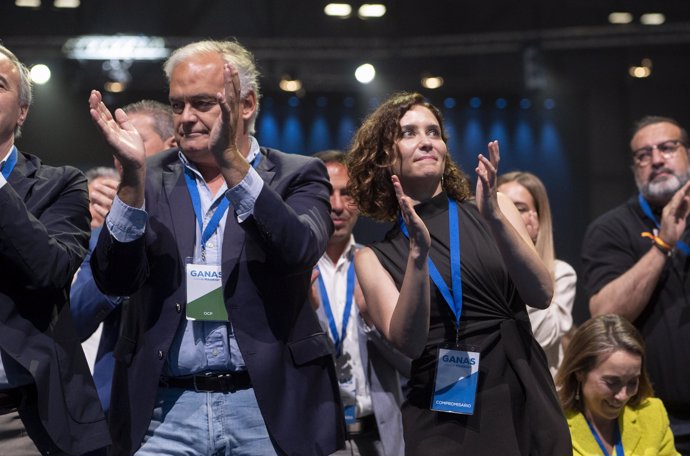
{"points": [[40, 74], [66, 3], [290, 84], [620, 17], [432, 82], [652, 19], [114, 86], [365, 73], [341, 10], [27, 3], [371, 10]]}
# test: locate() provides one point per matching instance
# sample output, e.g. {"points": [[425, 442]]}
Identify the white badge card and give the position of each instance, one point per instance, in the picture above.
{"points": [[205, 293], [455, 385]]}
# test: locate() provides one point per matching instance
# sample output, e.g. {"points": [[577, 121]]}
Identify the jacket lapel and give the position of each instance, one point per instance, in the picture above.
{"points": [[234, 237], [22, 177], [630, 430], [181, 210]]}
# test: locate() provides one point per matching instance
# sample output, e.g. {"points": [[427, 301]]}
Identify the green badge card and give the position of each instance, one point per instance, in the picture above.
{"points": [[205, 293]]}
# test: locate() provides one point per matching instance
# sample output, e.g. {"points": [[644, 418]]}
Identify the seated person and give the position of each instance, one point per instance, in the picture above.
{"points": [[606, 394]]}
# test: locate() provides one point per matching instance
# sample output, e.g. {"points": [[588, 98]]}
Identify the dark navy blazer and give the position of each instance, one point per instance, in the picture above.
{"points": [[44, 232], [266, 265]]}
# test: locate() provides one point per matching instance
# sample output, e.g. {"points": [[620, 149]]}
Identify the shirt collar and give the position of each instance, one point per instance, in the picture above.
{"points": [[4, 159], [348, 253]]}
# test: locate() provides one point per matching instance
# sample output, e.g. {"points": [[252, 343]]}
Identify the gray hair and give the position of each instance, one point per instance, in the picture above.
{"points": [[159, 112], [102, 171], [233, 53], [25, 95]]}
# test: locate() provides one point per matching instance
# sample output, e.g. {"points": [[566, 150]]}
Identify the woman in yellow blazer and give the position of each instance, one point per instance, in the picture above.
{"points": [[606, 394]]}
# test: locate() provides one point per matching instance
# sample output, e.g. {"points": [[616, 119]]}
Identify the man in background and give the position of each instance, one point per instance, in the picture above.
{"points": [[369, 383], [48, 403], [636, 261], [96, 315]]}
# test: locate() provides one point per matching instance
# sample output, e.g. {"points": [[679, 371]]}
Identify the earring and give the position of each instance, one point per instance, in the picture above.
{"points": [[577, 392]]}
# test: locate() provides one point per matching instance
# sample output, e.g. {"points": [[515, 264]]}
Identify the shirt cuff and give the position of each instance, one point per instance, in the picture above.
{"points": [[126, 223], [243, 195]]}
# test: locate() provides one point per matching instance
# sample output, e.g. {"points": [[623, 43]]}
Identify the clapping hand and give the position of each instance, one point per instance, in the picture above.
{"points": [[420, 240], [228, 128], [118, 132], [487, 170]]}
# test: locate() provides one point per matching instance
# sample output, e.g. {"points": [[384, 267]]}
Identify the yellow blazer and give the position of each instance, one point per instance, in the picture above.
{"points": [[645, 431]]}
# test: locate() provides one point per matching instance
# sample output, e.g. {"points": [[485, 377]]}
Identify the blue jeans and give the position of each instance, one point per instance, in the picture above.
{"points": [[188, 423]]}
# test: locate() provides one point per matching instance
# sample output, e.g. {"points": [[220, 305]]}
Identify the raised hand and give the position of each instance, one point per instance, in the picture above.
{"points": [[118, 132], [420, 240], [226, 131], [674, 215], [487, 170]]}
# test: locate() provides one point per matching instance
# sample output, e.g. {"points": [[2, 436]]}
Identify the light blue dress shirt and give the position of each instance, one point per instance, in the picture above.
{"points": [[199, 346]]}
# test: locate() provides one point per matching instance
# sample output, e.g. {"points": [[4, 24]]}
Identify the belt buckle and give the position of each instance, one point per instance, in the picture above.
{"points": [[196, 387], [225, 379]]}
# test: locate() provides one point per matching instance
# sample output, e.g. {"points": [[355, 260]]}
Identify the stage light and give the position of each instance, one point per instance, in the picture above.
{"points": [[620, 17], [652, 19], [116, 47], [40, 74], [114, 86], [27, 3], [66, 3], [371, 10], [290, 84], [341, 10], [365, 73], [432, 82]]}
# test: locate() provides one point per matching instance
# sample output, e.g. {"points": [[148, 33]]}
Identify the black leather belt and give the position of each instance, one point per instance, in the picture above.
{"points": [[226, 382], [364, 425]]}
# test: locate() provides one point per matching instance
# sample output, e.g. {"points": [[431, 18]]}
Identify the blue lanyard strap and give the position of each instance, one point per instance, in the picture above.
{"points": [[682, 246], [618, 444], [8, 166], [454, 299], [221, 207], [338, 339]]}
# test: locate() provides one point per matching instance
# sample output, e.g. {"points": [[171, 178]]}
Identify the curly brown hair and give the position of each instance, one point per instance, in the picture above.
{"points": [[373, 155]]}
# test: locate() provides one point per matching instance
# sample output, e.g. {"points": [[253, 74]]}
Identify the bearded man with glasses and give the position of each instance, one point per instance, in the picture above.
{"points": [[636, 261]]}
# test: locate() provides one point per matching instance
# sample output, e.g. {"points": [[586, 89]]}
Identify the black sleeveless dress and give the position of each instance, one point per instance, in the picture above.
{"points": [[516, 410]]}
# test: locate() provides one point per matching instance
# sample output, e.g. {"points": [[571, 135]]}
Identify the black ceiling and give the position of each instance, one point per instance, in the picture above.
{"points": [[473, 43]]}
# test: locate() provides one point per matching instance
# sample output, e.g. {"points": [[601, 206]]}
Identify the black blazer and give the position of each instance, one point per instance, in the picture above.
{"points": [[266, 265], [44, 234]]}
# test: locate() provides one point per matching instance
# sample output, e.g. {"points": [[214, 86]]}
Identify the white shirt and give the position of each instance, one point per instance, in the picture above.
{"points": [[335, 280]]}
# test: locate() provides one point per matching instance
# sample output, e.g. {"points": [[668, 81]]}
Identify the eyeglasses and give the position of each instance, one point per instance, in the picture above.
{"points": [[667, 149]]}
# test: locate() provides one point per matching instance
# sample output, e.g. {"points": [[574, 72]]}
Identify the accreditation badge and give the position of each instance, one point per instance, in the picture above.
{"points": [[205, 293], [455, 385]]}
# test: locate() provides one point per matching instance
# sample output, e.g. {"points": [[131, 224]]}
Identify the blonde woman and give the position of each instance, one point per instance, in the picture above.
{"points": [[549, 325]]}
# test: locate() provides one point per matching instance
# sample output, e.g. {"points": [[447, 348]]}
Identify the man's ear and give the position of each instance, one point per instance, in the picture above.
{"points": [[170, 142], [248, 105], [23, 112]]}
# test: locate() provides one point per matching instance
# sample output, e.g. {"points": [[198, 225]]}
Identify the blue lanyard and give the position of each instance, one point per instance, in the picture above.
{"points": [[648, 212], [453, 300], [221, 207], [9, 163], [618, 444], [338, 339]]}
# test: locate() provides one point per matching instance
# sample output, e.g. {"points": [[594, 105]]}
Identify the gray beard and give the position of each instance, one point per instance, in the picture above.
{"points": [[660, 193]]}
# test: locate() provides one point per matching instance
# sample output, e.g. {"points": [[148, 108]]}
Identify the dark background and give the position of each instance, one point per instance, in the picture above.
{"points": [[549, 79]]}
